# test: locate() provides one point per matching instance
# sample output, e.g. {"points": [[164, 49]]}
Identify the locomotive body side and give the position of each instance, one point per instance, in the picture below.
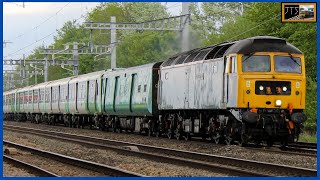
{"points": [[192, 86]]}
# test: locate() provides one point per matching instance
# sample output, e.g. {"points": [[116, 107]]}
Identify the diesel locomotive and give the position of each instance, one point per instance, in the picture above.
{"points": [[249, 90]]}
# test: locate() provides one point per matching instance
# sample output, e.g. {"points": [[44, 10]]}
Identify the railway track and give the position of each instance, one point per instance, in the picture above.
{"points": [[232, 166], [29, 167], [101, 168], [285, 150], [303, 145]]}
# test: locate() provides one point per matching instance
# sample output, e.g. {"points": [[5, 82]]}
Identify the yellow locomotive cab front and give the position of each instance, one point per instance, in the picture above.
{"points": [[271, 80]]}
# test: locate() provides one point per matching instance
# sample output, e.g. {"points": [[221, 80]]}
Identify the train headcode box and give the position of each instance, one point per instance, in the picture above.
{"points": [[299, 12]]}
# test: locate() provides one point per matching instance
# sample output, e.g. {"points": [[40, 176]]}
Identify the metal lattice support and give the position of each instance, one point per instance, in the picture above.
{"points": [[94, 51], [40, 62], [175, 23], [75, 52]]}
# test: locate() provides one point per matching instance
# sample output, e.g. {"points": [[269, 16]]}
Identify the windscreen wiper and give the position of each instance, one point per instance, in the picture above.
{"points": [[291, 57], [251, 54]]}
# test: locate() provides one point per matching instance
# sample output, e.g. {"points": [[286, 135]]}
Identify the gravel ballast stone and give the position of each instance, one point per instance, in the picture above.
{"points": [[196, 146], [10, 170], [111, 158]]}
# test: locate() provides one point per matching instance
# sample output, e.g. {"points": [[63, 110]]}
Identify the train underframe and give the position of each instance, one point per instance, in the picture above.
{"points": [[220, 126]]}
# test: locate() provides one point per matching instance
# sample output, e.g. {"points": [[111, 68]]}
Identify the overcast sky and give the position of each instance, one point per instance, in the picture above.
{"points": [[25, 27]]}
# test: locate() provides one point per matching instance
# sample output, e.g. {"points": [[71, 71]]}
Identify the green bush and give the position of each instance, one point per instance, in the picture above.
{"points": [[311, 106]]}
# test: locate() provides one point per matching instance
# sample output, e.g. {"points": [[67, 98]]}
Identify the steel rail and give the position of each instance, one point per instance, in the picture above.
{"points": [[303, 145], [29, 167], [285, 150], [230, 170], [249, 165], [104, 169]]}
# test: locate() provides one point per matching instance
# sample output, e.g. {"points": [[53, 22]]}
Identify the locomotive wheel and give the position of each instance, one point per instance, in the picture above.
{"points": [[284, 142], [204, 137], [243, 140], [269, 142], [178, 134], [215, 137], [158, 134], [119, 130], [256, 142], [228, 137], [170, 134], [150, 133], [187, 137], [228, 140]]}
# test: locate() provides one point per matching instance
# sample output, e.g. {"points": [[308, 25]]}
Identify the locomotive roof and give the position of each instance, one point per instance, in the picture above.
{"points": [[245, 46], [262, 44]]}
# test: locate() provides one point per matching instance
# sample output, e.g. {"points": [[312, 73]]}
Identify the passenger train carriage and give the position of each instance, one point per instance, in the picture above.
{"points": [[250, 90]]}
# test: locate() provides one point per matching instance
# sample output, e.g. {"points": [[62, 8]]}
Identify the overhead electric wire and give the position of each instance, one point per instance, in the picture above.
{"points": [[36, 27], [230, 39], [32, 43], [11, 54], [174, 5], [13, 4]]}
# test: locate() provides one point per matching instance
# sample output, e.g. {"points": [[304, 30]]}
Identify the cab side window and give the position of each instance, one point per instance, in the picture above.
{"points": [[233, 64]]}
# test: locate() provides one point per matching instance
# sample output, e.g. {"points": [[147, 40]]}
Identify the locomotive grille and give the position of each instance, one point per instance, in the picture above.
{"points": [[273, 88]]}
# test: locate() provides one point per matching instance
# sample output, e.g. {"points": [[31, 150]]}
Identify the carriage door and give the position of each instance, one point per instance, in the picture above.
{"points": [[76, 96], [132, 93], [227, 80], [232, 82], [96, 99]]}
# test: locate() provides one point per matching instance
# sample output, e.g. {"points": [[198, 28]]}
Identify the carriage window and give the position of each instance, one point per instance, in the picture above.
{"points": [[256, 64], [97, 89], [145, 88], [139, 88], [287, 64]]}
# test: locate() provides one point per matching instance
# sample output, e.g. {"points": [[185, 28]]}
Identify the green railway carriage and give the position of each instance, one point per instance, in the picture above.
{"points": [[94, 91], [9, 104], [129, 97], [21, 103], [131, 92], [84, 93], [43, 94], [20, 100], [29, 100], [64, 96], [84, 99]]}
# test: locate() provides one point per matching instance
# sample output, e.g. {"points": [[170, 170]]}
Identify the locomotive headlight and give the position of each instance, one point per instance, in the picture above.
{"points": [[278, 102], [261, 88], [284, 88]]}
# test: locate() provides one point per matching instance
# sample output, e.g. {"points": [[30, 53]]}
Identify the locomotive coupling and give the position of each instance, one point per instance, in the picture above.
{"points": [[250, 117], [298, 118]]}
